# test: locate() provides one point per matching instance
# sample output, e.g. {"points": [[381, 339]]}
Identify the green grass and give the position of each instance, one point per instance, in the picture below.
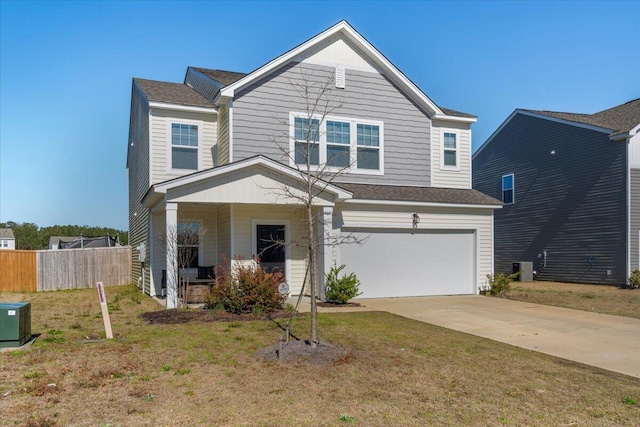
{"points": [[398, 372]]}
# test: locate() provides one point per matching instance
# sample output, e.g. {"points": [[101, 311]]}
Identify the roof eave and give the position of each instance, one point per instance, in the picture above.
{"points": [[421, 204], [179, 107]]}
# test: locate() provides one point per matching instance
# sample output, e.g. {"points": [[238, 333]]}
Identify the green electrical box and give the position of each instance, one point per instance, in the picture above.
{"points": [[15, 324]]}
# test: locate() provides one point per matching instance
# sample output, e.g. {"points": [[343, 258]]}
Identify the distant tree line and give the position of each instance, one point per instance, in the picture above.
{"points": [[30, 236]]}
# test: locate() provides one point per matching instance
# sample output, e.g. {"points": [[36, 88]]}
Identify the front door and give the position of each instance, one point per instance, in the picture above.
{"points": [[270, 247]]}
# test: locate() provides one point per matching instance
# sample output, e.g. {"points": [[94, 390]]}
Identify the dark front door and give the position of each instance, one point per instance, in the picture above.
{"points": [[270, 247]]}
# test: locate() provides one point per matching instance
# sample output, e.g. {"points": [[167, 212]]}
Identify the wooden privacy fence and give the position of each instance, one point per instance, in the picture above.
{"points": [[18, 271], [29, 271]]}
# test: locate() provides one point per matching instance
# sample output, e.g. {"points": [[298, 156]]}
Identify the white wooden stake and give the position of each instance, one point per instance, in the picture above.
{"points": [[105, 310]]}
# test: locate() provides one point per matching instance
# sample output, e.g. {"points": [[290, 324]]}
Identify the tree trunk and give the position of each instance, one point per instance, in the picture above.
{"points": [[312, 278]]}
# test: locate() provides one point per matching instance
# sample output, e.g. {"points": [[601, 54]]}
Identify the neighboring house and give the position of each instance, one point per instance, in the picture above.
{"points": [[570, 184], [80, 242], [211, 155], [7, 239]]}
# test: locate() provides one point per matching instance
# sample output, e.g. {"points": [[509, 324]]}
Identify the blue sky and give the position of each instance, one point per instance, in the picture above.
{"points": [[66, 70]]}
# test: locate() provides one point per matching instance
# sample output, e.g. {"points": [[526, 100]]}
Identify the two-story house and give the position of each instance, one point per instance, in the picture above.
{"points": [[570, 184], [7, 239], [220, 155]]}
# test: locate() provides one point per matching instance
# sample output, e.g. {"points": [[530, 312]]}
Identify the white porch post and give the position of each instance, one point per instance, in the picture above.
{"points": [[325, 246], [172, 252]]}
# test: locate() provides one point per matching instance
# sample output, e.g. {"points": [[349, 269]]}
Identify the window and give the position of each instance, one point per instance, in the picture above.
{"points": [[353, 145], [184, 146], [307, 137], [338, 143], [508, 189], [450, 149], [368, 147], [188, 244]]}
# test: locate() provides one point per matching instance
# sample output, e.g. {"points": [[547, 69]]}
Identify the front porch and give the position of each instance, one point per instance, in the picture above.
{"points": [[236, 213]]}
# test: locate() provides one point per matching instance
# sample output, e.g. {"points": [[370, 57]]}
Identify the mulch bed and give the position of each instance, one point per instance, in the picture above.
{"points": [[333, 304], [175, 316]]}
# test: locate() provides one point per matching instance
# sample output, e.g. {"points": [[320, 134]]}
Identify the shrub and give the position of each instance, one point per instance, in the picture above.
{"points": [[340, 290], [634, 279], [499, 284], [245, 289]]}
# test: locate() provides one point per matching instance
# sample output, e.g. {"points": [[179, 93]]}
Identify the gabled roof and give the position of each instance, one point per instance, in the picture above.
{"points": [[430, 195], [225, 78], [617, 122], [344, 29], [6, 233], [156, 191], [620, 119], [172, 93]]}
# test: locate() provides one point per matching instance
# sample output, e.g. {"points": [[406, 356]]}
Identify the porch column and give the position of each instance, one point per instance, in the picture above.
{"points": [[325, 246], [171, 228]]}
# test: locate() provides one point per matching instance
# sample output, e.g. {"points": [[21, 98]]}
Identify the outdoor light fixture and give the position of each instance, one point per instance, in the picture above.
{"points": [[416, 220]]}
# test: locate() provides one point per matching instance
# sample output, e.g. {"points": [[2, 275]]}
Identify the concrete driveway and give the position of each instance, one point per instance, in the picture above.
{"points": [[608, 342]]}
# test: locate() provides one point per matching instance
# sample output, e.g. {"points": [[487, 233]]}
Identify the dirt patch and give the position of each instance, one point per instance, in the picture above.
{"points": [[173, 317], [333, 304], [301, 351]]}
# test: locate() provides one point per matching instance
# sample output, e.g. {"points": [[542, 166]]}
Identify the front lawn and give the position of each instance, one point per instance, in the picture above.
{"points": [[597, 298], [398, 372]]}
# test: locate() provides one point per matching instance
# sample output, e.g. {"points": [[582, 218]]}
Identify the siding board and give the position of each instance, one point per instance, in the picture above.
{"points": [[261, 120], [571, 204]]}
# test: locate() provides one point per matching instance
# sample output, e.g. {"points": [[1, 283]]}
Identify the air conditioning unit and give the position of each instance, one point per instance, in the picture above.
{"points": [[15, 324], [525, 269]]}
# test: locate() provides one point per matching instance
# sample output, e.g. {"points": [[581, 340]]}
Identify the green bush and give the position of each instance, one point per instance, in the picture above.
{"points": [[341, 290], [499, 284], [245, 289], [634, 279]]}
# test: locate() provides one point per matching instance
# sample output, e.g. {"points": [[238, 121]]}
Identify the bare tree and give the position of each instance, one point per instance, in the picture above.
{"points": [[320, 101], [181, 244]]}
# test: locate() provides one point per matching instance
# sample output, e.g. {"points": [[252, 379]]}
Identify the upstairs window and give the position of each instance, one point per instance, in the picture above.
{"points": [[368, 147], [338, 143], [449, 149], [508, 189], [350, 145], [184, 146], [307, 141]]}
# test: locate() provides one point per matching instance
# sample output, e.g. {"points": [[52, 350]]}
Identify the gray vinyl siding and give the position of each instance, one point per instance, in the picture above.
{"points": [[201, 84], [635, 218], [571, 204], [261, 120], [138, 170]]}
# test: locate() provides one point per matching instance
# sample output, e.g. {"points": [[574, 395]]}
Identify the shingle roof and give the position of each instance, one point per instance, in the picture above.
{"points": [[619, 119], [172, 93], [450, 112], [224, 77], [6, 233], [420, 194]]}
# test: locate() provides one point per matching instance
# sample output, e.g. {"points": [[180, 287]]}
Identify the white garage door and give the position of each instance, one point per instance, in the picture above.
{"points": [[393, 263]]}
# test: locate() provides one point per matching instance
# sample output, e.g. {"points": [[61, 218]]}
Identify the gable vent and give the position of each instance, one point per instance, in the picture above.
{"points": [[340, 77]]}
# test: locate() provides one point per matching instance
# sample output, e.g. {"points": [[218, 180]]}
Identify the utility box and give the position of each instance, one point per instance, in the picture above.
{"points": [[15, 324], [525, 269]]}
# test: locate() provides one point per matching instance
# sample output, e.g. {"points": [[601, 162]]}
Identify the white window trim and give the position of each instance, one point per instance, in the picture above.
{"points": [[456, 132], [200, 151], [200, 240], [513, 188], [353, 147], [287, 239]]}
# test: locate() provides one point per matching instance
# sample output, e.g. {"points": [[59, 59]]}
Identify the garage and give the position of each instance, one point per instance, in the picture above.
{"points": [[402, 263]]}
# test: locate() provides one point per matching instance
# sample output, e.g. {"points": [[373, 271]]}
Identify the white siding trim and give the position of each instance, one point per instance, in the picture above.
{"points": [[177, 107], [230, 130], [426, 204], [232, 233]]}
